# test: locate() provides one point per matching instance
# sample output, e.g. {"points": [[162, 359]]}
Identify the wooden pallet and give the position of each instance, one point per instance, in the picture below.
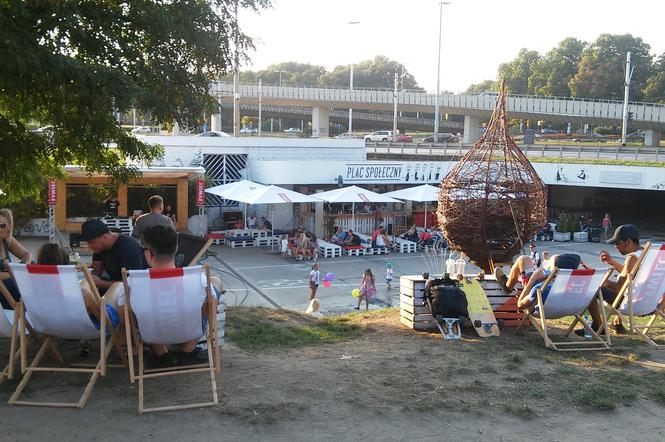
{"points": [[237, 242], [504, 306], [412, 312]]}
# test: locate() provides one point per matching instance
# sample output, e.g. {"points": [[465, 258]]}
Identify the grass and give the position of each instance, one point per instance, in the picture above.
{"points": [[522, 411], [259, 328]]}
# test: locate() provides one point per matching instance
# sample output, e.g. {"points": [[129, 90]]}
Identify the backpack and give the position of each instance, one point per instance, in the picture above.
{"points": [[445, 298]]}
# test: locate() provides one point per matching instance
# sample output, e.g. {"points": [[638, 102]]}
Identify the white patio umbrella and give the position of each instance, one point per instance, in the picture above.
{"points": [[353, 195], [421, 194], [274, 195], [231, 190]]}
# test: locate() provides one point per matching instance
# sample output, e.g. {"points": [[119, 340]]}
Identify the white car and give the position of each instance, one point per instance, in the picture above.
{"points": [[293, 130], [214, 133], [141, 130], [249, 130], [380, 135]]}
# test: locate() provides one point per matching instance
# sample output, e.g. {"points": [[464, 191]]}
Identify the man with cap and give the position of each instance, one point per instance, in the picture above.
{"points": [[111, 253], [626, 240]]}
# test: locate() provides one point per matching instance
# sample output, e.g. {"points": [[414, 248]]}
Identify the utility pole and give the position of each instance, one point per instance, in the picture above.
{"points": [[626, 96], [260, 109], [395, 108], [438, 76], [236, 80]]}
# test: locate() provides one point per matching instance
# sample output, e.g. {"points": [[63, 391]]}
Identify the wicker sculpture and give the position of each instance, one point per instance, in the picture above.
{"points": [[492, 201]]}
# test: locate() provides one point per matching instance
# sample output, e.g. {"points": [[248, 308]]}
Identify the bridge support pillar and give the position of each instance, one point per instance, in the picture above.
{"points": [[319, 228], [471, 129], [320, 122], [176, 129], [652, 137], [216, 122]]}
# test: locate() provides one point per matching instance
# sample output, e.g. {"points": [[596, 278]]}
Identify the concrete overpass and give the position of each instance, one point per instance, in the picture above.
{"points": [[649, 117]]}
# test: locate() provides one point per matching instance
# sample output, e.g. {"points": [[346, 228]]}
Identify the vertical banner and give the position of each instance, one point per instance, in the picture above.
{"points": [[200, 192], [52, 192]]}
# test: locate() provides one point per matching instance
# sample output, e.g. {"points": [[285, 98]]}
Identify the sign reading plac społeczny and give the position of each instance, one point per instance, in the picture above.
{"points": [[386, 172]]}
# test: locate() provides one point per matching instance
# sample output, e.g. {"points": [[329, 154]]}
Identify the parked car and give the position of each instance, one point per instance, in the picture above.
{"points": [[443, 137], [214, 133], [590, 138], [380, 135], [292, 130], [249, 130], [346, 136], [404, 138], [639, 135], [141, 130]]}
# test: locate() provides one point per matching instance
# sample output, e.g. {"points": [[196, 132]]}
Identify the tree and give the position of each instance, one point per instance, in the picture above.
{"points": [[517, 72], [71, 64], [487, 85], [376, 73], [552, 73], [601, 71], [655, 85]]}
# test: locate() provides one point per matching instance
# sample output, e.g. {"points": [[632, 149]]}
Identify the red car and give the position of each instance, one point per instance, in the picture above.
{"points": [[404, 138]]}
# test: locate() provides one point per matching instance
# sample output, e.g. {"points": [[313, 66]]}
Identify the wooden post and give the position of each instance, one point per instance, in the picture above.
{"points": [[122, 199], [61, 205], [182, 203]]}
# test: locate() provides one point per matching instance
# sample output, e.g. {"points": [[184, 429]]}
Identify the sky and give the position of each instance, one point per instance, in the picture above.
{"points": [[477, 35]]}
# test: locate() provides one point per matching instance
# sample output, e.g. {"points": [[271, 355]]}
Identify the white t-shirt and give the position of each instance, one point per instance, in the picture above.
{"points": [[389, 273], [121, 292], [315, 277]]}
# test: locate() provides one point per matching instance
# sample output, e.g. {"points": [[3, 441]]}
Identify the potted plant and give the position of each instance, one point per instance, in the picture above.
{"points": [[562, 233], [579, 235]]}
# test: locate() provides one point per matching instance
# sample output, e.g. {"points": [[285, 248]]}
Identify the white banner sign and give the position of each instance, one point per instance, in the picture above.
{"points": [[35, 227]]}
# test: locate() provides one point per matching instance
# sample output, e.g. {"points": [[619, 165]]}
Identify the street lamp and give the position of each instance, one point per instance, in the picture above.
{"points": [[351, 84], [438, 76], [279, 71]]}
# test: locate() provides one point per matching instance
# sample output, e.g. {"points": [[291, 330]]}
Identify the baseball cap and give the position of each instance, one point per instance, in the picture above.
{"points": [[93, 228], [624, 232], [567, 261]]}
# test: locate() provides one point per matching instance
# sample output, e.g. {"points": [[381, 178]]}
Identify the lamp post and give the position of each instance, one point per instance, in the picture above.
{"points": [[278, 71], [438, 76], [351, 84]]}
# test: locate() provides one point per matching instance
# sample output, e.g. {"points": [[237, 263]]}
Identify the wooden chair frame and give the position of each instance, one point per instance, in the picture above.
{"points": [[213, 366], [14, 353], [48, 342], [540, 322]]}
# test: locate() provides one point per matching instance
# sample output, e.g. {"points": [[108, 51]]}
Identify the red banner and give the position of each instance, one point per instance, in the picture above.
{"points": [[200, 192], [52, 192]]}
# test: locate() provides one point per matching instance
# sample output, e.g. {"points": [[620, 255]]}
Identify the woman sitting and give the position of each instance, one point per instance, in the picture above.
{"points": [[382, 239], [9, 246], [411, 234]]}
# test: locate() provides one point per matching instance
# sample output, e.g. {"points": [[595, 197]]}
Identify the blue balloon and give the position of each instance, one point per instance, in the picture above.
{"points": [[329, 277]]}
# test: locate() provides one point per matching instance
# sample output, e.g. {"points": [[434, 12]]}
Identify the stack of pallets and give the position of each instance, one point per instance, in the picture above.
{"points": [[412, 312]]}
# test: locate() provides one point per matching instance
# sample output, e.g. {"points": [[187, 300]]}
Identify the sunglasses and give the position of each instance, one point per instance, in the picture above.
{"points": [[3, 226]]}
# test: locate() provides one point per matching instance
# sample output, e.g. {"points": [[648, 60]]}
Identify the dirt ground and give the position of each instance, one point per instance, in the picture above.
{"points": [[385, 383]]}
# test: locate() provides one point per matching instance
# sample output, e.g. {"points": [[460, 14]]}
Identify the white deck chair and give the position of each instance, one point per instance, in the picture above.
{"points": [[164, 307], [571, 293], [644, 293], [52, 301], [9, 329]]}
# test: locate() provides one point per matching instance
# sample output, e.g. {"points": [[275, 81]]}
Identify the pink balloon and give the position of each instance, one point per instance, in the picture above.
{"points": [[327, 283]]}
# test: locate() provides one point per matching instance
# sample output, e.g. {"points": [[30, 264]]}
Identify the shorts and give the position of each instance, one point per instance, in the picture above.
{"points": [[312, 285], [609, 295], [533, 293], [112, 315]]}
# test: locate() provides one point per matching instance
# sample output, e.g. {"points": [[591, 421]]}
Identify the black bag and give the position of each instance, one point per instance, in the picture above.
{"points": [[445, 298]]}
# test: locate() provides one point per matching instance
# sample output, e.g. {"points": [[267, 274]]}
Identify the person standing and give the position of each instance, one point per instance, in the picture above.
{"points": [[111, 204], [389, 274], [9, 246], [607, 224], [251, 222], [535, 255], [154, 218], [314, 280], [367, 289]]}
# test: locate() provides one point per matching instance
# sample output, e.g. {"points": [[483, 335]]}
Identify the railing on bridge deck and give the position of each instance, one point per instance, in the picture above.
{"points": [[643, 153]]}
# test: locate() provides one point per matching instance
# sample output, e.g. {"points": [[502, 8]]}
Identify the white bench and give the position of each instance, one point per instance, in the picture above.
{"points": [[355, 250], [258, 233], [217, 237], [234, 242], [266, 240], [404, 245], [372, 250], [329, 250]]}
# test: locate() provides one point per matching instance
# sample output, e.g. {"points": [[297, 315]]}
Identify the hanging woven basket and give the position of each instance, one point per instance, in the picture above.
{"points": [[492, 201]]}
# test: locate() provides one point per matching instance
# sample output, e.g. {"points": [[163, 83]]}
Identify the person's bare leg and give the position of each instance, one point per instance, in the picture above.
{"points": [[91, 303], [534, 279], [594, 311], [312, 293], [522, 263], [366, 303]]}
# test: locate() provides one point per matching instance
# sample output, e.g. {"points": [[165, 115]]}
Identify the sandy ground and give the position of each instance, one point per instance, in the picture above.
{"points": [[389, 383]]}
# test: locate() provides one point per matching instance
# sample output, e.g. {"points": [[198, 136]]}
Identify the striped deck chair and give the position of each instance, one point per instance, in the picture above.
{"points": [[52, 304], [163, 306], [571, 293], [643, 294]]}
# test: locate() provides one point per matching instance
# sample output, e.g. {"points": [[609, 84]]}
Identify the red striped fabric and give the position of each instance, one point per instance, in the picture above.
{"points": [[583, 272], [166, 273], [42, 269]]}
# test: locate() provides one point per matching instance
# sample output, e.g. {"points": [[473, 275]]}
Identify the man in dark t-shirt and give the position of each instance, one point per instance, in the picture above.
{"points": [[111, 253]]}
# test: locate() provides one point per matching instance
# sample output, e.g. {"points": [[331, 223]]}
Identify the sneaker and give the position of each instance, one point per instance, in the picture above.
{"points": [[502, 279], [154, 361], [619, 329], [194, 357], [85, 348]]}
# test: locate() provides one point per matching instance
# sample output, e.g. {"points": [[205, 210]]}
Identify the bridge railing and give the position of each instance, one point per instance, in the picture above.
{"points": [[640, 153]]}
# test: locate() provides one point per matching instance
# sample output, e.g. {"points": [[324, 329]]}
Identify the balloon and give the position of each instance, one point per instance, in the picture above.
{"points": [[327, 283], [355, 293], [329, 277]]}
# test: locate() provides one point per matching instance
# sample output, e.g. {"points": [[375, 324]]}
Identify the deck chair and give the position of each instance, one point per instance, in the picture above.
{"points": [[9, 329], [52, 303], [571, 293], [164, 307], [643, 293]]}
